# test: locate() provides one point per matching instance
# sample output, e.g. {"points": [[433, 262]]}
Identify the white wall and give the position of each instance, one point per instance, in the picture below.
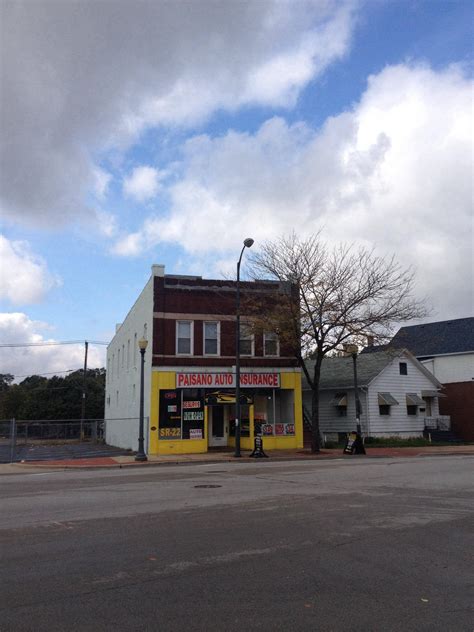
{"points": [[452, 368], [390, 381], [123, 377], [373, 424], [329, 420]]}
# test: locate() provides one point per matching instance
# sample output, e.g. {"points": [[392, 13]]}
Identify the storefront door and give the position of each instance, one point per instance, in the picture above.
{"points": [[218, 426]]}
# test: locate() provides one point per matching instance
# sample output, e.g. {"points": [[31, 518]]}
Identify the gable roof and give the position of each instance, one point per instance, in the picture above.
{"points": [[443, 337], [338, 372]]}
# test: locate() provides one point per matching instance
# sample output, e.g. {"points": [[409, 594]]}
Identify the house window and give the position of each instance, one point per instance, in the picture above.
{"points": [[412, 410], [403, 368], [271, 344], [385, 400], [246, 340], [341, 411], [211, 338], [184, 337]]}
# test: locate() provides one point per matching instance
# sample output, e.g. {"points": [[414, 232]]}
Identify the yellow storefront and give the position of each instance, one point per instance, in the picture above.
{"points": [[193, 411]]}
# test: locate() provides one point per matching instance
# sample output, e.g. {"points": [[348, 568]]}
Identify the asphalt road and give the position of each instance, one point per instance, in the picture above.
{"points": [[380, 544]]}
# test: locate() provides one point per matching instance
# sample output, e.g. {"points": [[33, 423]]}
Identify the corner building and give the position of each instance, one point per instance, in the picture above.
{"points": [[189, 392]]}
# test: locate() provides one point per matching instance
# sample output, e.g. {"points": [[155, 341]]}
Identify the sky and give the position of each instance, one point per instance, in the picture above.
{"points": [[146, 132]]}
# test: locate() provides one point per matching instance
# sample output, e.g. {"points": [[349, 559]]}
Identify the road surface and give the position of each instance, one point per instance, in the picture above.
{"points": [[380, 544]]}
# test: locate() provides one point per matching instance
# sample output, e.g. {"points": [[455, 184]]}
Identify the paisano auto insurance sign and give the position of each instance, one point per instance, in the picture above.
{"points": [[227, 380]]}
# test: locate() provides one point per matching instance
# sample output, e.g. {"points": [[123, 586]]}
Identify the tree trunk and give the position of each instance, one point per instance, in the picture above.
{"points": [[315, 436]]}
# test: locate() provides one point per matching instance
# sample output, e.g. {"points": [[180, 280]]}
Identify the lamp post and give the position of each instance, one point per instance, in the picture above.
{"points": [[247, 244], [141, 456], [356, 391]]}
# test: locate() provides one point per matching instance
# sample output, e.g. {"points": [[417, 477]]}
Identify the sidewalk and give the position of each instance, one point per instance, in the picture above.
{"points": [[222, 457]]}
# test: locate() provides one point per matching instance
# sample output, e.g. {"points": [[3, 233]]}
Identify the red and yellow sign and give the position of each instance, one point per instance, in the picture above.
{"points": [[214, 380]]}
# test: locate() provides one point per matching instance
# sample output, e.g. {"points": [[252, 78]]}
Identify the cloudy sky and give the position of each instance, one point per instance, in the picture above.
{"points": [[149, 132]]}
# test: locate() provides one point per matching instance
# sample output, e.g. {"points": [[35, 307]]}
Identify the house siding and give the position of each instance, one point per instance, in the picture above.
{"points": [[390, 381]]}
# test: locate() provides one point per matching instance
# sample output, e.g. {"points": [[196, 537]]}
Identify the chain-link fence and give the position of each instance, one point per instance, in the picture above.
{"points": [[46, 439]]}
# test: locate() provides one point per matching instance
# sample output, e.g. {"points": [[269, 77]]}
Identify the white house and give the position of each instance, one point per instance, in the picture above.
{"points": [[446, 348], [398, 394]]}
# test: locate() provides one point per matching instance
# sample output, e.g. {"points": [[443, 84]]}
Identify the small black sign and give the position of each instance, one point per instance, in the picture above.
{"points": [[258, 452], [354, 444]]}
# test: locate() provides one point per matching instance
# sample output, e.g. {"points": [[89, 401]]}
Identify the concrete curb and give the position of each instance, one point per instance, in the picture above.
{"points": [[77, 465]]}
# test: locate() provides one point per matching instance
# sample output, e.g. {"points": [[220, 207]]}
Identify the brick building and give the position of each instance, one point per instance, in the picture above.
{"points": [[189, 323]]}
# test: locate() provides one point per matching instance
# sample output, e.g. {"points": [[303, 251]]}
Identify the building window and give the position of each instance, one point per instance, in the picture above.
{"points": [[412, 410], [384, 409], [123, 356], [211, 338], [118, 361], [271, 344], [246, 340], [135, 345], [128, 353], [341, 411], [403, 368], [184, 337]]}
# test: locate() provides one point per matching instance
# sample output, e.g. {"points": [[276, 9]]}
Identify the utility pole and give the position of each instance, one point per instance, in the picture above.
{"points": [[83, 402]]}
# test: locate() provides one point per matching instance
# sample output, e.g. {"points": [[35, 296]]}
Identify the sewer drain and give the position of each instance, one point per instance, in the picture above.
{"points": [[206, 486]]}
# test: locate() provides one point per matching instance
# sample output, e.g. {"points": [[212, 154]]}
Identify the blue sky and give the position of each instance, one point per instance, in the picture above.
{"points": [[140, 133]]}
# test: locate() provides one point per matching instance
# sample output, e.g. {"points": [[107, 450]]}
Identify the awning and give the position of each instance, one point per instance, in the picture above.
{"points": [[414, 400], [432, 394], [386, 399], [340, 399]]}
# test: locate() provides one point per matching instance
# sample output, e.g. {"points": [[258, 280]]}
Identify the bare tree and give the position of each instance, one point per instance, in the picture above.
{"points": [[344, 294]]}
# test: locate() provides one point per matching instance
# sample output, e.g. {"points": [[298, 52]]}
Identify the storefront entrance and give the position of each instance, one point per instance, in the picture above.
{"points": [[218, 426]]}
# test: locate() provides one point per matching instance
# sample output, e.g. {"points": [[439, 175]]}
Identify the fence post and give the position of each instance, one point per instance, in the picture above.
{"points": [[12, 440]]}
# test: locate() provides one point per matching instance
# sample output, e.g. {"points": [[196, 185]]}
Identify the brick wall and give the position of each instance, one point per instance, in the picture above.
{"points": [[459, 404]]}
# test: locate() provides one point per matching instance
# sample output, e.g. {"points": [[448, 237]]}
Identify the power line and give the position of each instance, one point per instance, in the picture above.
{"points": [[50, 344], [50, 373]]}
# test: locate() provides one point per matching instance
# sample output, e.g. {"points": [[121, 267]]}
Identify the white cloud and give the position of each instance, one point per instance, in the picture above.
{"points": [[17, 328], [395, 171], [102, 182], [24, 277], [106, 223], [143, 183], [96, 78]]}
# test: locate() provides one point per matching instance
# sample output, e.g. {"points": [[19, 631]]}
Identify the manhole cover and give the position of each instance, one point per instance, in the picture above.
{"points": [[206, 486]]}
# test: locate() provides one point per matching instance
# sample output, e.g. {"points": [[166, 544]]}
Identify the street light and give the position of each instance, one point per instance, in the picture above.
{"points": [[141, 456], [356, 391], [248, 243]]}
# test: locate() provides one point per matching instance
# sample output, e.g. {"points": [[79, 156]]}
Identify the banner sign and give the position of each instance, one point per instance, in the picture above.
{"points": [[214, 380]]}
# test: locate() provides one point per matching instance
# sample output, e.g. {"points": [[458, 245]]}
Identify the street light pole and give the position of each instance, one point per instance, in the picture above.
{"points": [[141, 456], [247, 244], [356, 391]]}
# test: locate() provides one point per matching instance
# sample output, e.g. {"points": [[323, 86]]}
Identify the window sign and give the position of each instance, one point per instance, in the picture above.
{"points": [[193, 415], [170, 415], [181, 415]]}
